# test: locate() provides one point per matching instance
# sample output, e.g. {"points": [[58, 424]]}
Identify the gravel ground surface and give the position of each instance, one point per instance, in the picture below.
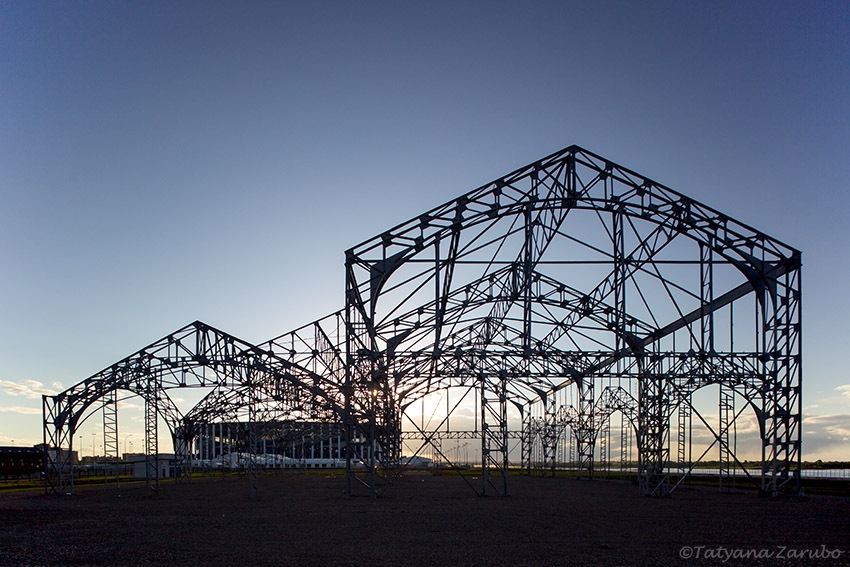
{"points": [[420, 520]]}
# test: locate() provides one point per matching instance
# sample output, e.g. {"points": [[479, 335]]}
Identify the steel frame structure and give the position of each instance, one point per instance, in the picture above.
{"points": [[242, 381], [574, 272], [551, 299]]}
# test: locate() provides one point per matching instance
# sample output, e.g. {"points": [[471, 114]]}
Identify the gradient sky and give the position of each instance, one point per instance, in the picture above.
{"points": [[166, 162]]}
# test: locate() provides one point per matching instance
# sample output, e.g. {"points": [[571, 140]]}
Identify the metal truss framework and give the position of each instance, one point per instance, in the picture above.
{"points": [[574, 272], [549, 300], [241, 381]]}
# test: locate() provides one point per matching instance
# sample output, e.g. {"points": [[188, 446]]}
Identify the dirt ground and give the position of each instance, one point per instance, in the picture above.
{"points": [[421, 519]]}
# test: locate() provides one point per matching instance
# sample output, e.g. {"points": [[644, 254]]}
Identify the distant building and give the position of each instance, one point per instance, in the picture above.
{"points": [[21, 462], [317, 443], [417, 462], [166, 465]]}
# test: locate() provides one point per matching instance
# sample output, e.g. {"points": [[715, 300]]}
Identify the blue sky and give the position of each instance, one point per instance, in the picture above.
{"points": [[166, 162]]}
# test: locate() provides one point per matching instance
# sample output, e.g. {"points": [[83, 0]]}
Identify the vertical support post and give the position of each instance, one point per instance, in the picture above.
{"points": [[619, 284], [653, 430], [683, 424], [586, 430], [727, 425], [494, 436], [151, 440], [781, 303], [348, 388], [252, 431], [389, 445], [550, 434], [369, 426], [110, 432], [527, 269], [706, 262], [183, 441], [59, 429], [620, 277], [371, 458]]}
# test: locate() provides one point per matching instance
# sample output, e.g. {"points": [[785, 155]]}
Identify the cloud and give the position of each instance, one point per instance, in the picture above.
{"points": [[31, 389], [837, 425], [826, 437], [845, 390], [20, 409]]}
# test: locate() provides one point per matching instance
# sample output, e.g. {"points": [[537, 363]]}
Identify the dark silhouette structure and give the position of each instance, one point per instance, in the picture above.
{"points": [[566, 301]]}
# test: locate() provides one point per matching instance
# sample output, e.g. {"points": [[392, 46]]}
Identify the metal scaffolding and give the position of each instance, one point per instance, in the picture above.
{"points": [[548, 300]]}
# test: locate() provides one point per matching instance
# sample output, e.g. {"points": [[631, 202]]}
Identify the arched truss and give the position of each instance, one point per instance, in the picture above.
{"points": [[242, 382], [574, 272], [571, 274]]}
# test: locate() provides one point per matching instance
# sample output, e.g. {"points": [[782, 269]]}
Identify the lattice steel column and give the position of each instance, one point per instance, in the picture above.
{"points": [[389, 446], [727, 433], [110, 425], [586, 430], [782, 363], [620, 277], [494, 436], [550, 434], [683, 454], [151, 439], [653, 431], [59, 428], [110, 432], [706, 347], [706, 262], [364, 379], [183, 438], [252, 431]]}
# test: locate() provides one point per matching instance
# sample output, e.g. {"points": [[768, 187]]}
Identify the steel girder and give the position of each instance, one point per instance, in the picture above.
{"points": [[454, 295]]}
